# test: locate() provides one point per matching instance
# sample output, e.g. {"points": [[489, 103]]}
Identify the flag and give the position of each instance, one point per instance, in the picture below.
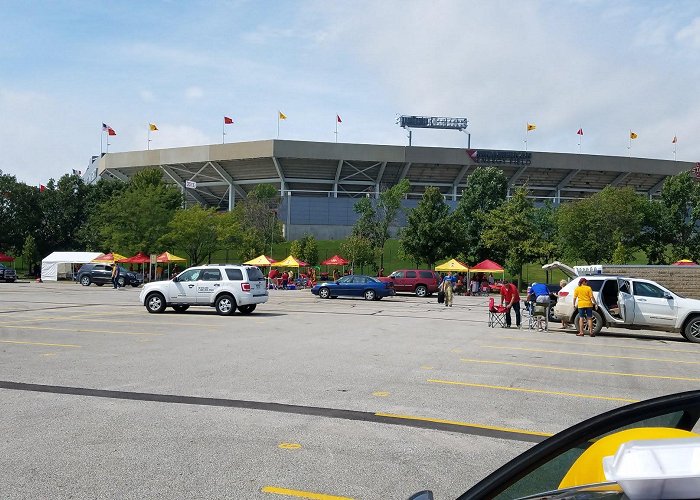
{"points": [[77, 172], [227, 120], [531, 126], [675, 140], [282, 116], [108, 129], [152, 126], [633, 135], [337, 117], [42, 188], [580, 132]]}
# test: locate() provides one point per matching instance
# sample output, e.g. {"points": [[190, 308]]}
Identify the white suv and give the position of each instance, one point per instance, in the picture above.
{"points": [[223, 286], [634, 304]]}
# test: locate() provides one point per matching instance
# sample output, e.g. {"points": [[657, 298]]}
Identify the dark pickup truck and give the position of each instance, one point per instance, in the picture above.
{"points": [[7, 275]]}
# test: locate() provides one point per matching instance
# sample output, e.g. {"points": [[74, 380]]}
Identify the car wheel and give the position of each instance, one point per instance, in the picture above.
{"points": [[370, 294], [692, 329], [155, 303], [247, 309], [225, 305], [324, 293], [9, 281], [421, 291], [181, 308], [597, 323], [85, 280], [121, 282]]}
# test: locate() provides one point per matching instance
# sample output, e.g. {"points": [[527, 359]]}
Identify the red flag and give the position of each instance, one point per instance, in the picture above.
{"points": [[108, 129], [338, 118], [580, 132], [42, 188], [227, 120]]}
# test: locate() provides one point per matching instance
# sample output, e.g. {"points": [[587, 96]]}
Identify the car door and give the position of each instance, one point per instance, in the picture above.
{"points": [[625, 301], [410, 281], [208, 284], [101, 273], [399, 280], [343, 286], [257, 282], [183, 289], [359, 283], [654, 306]]}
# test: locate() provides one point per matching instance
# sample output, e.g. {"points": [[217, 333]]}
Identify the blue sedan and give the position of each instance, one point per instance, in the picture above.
{"points": [[354, 285]]}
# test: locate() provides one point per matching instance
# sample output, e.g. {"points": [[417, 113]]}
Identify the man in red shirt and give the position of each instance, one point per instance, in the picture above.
{"points": [[511, 298]]}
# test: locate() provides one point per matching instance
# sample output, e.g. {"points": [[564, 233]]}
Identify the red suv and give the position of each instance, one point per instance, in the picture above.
{"points": [[422, 282]]}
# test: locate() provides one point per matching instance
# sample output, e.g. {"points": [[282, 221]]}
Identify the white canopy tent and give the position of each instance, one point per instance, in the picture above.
{"points": [[60, 264]]}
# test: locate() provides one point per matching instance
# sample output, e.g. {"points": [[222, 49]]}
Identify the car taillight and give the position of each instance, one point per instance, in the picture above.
{"points": [[245, 287], [563, 294]]}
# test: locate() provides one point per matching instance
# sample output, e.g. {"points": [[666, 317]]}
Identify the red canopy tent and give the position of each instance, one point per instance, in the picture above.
{"points": [[336, 260], [6, 258], [139, 258], [486, 266], [682, 262]]}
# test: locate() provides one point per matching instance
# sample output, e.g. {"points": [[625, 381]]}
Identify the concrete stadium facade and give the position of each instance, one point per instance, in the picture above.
{"points": [[319, 182]]}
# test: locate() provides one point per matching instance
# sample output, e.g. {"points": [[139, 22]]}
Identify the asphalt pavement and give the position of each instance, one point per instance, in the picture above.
{"points": [[304, 398]]}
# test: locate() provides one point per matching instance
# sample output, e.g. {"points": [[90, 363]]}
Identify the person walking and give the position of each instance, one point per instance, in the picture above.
{"points": [[447, 287], [584, 301], [511, 298], [115, 276]]}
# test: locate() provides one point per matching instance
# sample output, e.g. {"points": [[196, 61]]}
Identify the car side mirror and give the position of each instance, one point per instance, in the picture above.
{"points": [[422, 495], [668, 296]]}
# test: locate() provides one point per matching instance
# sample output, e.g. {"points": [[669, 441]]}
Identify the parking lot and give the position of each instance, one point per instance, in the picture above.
{"points": [[340, 398]]}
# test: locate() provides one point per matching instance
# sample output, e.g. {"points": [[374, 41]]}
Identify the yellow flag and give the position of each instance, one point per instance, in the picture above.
{"points": [[633, 135], [531, 126], [282, 116], [152, 126]]}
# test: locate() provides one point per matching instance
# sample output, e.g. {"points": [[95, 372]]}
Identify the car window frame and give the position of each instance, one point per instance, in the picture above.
{"points": [[232, 270], [415, 275], [642, 284], [184, 274]]}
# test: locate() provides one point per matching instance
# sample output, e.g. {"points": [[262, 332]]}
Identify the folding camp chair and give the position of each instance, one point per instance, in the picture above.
{"points": [[538, 317], [497, 314]]}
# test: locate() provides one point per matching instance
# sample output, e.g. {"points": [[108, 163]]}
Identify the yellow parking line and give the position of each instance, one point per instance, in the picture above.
{"points": [[75, 330], [301, 494], [530, 339], [463, 424], [579, 370], [535, 391], [37, 343], [590, 355]]}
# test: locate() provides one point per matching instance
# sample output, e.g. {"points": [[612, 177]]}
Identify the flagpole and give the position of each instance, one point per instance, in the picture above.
{"points": [[526, 131], [101, 146], [278, 124], [148, 143], [223, 131], [336, 129], [675, 144], [579, 140], [629, 148], [107, 149]]}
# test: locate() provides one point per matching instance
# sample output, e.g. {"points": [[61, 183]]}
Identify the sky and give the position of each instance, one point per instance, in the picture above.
{"points": [[608, 67]]}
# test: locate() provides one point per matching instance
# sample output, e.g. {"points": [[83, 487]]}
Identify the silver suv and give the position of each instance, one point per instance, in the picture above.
{"points": [[225, 287]]}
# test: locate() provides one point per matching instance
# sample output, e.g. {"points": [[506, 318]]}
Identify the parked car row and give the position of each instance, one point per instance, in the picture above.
{"points": [[101, 274]]}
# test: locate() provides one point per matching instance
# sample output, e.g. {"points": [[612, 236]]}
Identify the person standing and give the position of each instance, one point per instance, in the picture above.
{"points": [[583, 299], [447, 287], [115, 276], [511, 298]]}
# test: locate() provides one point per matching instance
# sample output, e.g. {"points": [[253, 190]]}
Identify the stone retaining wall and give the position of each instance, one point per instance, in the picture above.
{"points": [[683, 280]]}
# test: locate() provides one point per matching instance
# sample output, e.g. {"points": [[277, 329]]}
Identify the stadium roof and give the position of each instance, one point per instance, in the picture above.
{"points": [[223, 172]]}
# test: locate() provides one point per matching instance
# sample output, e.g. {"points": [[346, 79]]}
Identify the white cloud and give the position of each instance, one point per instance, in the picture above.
{"points": [[146, 95]]}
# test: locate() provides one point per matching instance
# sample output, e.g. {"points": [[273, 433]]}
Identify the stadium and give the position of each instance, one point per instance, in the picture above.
{"points": [[319, 181]]}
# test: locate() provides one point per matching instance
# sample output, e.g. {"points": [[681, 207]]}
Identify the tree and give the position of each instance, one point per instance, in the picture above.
{"points": [[29, 252], [199, 232], [510, 232], [544, 220], [680, 195], [487, 188], [375, 220], [360, 251], [591, 229], [305, 249], [19, 212], [136, 218], [258, 214], [430, 233]]}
